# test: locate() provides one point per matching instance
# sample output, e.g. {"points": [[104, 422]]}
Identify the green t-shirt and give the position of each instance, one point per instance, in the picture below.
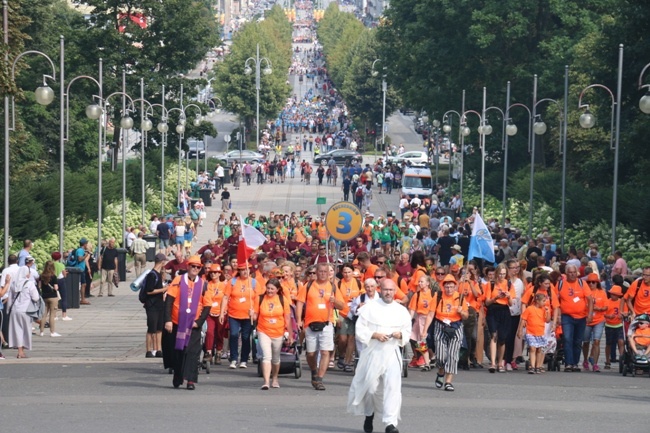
{"points": [[58, 269]]}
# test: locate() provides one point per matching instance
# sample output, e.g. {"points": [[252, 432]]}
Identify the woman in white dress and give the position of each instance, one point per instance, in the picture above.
{"points": [[21, 296]]}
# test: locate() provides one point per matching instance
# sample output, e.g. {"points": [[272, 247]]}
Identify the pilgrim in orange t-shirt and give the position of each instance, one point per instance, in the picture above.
{"points": [[271, 315]]}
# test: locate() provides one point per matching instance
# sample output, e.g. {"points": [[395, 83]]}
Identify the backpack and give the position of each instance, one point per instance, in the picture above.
{"points": [[359, 192], [309, 284], [561, 283], [142, 292], [72, 261], [281, 300], [234, 279]]}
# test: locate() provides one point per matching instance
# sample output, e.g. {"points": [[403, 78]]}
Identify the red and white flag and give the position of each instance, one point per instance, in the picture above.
{"points": [[250, 240]]}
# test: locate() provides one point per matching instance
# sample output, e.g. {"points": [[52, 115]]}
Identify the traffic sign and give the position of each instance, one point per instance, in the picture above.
{"points": [[227, 138], [343, 221]]}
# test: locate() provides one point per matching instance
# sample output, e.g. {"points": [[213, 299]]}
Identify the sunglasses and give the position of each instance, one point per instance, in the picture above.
{"points": [[380, 263], [311, 273], [440, 273], [196, 266]]}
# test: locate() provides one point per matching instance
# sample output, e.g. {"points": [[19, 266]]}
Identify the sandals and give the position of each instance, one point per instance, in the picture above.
{"points": [[568, 369], [501, 369], [348, 369], [340, 364], [425, 368], [438, 381], [492, 369], [449, 387], [319, 386], [264, 387], [532, 370]]}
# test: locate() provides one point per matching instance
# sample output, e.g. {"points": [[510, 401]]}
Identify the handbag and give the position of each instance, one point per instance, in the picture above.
{"points": [[35, 309], [317, 326], [450, 330], [116, 278]]}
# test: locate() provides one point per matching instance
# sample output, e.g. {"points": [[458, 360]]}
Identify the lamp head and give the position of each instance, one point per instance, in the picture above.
{"points": [[539, 127], [436, 123], [587, 120], [146, 125], [44, 95], [126, 122], [267, 71], [644, 103], [511, 129], [197, 121], [93, 111], [180, 129], [446, 128], [465, 131], [248, 70], [163, 127]]}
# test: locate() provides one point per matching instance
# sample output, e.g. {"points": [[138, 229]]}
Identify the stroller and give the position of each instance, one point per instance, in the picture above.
{"points": [[553, 351], [290, 355], [632, 362]]}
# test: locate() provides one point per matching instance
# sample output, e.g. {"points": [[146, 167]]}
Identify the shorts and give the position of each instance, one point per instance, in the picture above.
{"points": [[323, 340], [154, 320], [594, 332], [614, 335], [498, 320], [164, 243], [179, 240], [346, 327], [536, 340]]}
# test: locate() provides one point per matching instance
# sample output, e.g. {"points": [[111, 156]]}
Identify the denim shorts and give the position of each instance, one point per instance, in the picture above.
{"points": [[594, 332]]}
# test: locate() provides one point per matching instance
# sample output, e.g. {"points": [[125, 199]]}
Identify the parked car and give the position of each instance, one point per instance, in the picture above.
{"points": [[341, 156], [412, 156], [242, 156], [194, 147]]}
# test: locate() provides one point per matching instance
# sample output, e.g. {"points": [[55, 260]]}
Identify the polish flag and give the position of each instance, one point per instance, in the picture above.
{"points": [[250, 240]]}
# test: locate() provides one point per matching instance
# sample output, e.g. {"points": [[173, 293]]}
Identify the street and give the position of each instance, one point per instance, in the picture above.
{"points": [[138, 396]]}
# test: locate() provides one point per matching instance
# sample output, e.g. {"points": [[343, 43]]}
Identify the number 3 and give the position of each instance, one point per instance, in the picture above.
{"points": [[344, 226]]}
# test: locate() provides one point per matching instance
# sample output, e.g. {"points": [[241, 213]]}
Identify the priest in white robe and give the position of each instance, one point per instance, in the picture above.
{"points": [[383, 327]]}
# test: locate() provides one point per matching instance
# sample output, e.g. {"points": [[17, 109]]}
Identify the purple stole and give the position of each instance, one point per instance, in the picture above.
{"points": [[187, 311]]}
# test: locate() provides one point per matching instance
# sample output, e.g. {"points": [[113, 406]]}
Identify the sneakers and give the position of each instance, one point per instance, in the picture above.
{"points": [[390, 428], [233, 365], [55, 334], [514, 365], [66, 318], [508, 367], [2, 356], [243, 365], [149, 354], [585, 365], [40, 334], [596, 369], [159, 354]]}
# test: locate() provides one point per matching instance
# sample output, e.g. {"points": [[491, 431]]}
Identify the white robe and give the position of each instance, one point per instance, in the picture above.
{"points": [[379, 363]]}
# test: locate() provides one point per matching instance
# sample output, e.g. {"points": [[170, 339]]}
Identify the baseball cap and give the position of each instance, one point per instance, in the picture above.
{"points": [[160, 257]]}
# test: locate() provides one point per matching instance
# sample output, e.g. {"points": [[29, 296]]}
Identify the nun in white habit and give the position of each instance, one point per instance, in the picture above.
{"points": [[21, 295]]}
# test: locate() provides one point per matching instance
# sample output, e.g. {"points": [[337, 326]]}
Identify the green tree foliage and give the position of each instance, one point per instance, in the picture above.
{"points": [[237, 90]]}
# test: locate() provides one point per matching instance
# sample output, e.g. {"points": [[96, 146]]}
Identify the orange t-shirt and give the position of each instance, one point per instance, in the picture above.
{"points": [[573, 298], [418, 272], [528, 299], [499, 287], [447, 308], [402, 287], [370, 272], [349, 291], [216, 290], [271, 315], [642, 337], [290, 288], [640, 291], [174, 291], [317, 301], [600, 301], [535, 318], [465, 288], [421, 302], [613, 308], [241, 298]]}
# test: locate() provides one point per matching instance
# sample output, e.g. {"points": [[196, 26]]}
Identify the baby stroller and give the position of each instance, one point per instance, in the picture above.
{"points": [[631, 362], [553, 351], [289, 356]]}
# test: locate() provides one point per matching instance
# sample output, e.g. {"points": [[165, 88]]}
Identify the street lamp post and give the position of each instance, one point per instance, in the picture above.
{"points": [[163, 128], [483, 130], [196, 122], [94, 112], [126, 123], [503, 141], [447, 128], [384, 87], [44, 96], [146, 125], [266, 71], [588, 120], [216, 108]]}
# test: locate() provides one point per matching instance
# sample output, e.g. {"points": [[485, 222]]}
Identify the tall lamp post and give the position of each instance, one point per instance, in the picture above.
{"points": [[488, 131], [384, 87], [215, 108], [163, 128], [266, 71], [146, 125], [588, 120], [196, 122], [447, 128], [126, 123], [93, 112], [483, 130], [511, 131], [44, 96]]}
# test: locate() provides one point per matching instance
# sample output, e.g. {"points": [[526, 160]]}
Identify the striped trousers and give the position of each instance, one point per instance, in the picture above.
{"points": [[447, 349]]}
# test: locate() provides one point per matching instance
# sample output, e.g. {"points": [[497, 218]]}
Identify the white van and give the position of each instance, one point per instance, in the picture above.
{"points": [[417, 181]]}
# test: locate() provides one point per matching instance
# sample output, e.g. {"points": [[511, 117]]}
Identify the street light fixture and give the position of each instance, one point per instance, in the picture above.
{"points": [[163, 128], [93, 112], [267, 71], [44, 95], [384, 88], [644, 102], [588, 120], [446, 128]]}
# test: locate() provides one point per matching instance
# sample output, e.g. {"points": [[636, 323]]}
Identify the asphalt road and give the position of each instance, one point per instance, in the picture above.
{"points": [[138, 397]]}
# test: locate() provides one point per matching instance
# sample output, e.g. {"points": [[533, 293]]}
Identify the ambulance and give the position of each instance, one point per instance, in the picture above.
{"points": [[417, 182]]}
